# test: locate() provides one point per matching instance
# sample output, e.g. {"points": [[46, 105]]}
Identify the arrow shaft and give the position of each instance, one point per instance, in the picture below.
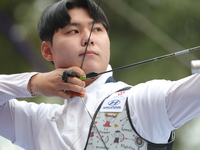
{"points": [[153, 59]]}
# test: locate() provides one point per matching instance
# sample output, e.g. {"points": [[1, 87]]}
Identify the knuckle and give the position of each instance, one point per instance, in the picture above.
{"points": [[81, 90]]}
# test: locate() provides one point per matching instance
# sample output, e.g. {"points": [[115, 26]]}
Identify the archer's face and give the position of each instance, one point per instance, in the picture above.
{"points": [[68, 44]]}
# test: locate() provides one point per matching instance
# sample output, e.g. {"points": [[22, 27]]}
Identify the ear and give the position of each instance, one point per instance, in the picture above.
{"points": [[46, 49]]}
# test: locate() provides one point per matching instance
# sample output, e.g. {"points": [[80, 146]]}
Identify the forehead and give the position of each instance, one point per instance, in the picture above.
{"points": [[79, 15]]}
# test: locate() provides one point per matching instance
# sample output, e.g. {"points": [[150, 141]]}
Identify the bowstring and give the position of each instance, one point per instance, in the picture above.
{"points": [[86, 48], [87, 44]]}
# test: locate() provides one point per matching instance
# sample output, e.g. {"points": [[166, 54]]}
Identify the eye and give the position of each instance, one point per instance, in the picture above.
{"points": [[72, 32], [97, 29]]}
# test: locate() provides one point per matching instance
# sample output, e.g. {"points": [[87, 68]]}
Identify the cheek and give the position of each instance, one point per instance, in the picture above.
{"points": [[106, 49], [63, 56]]}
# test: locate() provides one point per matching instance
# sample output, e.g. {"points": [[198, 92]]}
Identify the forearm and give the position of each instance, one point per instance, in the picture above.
{"points": [[14, 86], [48, 84]]}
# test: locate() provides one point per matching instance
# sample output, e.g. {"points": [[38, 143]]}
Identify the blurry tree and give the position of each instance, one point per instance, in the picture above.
{"points": [[140, 29]]}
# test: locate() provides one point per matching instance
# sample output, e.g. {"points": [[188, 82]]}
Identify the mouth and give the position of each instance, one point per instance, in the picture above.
{"points": [[88, 53]]}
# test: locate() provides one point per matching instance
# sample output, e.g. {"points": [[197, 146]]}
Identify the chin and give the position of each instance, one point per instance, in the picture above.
{"points": [[91, 69], [92, 66]]}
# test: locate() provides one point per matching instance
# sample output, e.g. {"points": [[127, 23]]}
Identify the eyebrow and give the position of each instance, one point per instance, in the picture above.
{"points": [[78, 24]]}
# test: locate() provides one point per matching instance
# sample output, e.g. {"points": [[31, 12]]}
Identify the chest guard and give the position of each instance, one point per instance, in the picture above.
{"points": [[115, 131]]}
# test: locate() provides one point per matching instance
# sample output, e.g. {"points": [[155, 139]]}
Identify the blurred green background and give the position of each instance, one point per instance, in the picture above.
{"points": [[140, 29]]}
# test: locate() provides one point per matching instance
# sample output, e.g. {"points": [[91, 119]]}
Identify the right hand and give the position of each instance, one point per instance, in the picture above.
{"points": [[51, 84]]}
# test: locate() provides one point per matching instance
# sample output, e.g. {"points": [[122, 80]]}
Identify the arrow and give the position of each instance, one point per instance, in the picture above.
{"points": [[94, 75]]}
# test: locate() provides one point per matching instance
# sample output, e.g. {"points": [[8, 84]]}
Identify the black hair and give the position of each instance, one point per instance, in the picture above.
{"points": [[56, 16]]}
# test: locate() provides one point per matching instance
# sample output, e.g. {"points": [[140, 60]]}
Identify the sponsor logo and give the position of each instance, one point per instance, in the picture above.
{"points": [[113, 105], [114, 102]]}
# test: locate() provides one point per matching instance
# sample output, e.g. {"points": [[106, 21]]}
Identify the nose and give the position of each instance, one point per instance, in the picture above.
{"points": [[87, 39], [88, 43]]}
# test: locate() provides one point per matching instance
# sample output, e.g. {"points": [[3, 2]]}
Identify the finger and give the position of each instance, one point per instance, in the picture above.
{"points": [[73, 84], [76, 81], [79, 72], [64, 95], [68, 73], [72, 87]]}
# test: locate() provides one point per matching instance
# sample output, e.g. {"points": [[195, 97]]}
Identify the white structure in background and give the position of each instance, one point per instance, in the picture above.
{"points": [[195, 66], [7, 145]]}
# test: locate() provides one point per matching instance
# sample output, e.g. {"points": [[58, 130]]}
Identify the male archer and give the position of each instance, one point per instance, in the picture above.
{"points": [[154, 108]]}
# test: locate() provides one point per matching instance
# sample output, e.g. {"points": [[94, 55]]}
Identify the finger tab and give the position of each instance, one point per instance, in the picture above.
{"points": [[67, 74]]}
